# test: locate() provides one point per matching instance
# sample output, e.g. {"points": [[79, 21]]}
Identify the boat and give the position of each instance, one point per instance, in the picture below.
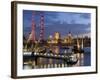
{"points": [[72, 59]]}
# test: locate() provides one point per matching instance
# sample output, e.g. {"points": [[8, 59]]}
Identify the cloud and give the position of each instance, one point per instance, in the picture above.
{"points": [[65, 28], [85, 15], [62, 22]]}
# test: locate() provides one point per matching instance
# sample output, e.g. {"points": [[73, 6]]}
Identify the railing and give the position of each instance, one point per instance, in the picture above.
{"points": [[67, 59]]}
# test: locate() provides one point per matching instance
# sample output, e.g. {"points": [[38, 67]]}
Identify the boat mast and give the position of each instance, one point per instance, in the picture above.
{"points": [[82, 45], [78, 45]]}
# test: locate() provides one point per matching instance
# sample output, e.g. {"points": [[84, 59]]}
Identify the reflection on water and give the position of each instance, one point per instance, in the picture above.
{"points": [[83, 59]]}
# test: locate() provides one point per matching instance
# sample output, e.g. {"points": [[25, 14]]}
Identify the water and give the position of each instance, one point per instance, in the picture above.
{"points": [[84, 59], [87, 56]]}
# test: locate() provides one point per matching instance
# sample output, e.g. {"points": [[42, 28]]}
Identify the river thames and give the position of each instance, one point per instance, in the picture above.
{"points": [[84, 59]]}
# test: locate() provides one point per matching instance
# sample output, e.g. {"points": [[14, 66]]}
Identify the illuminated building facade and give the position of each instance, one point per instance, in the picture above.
{"points": [[56, 37]]}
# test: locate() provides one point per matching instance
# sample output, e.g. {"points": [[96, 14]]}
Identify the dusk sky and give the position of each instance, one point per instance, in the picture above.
{"points": [[62, 22]]}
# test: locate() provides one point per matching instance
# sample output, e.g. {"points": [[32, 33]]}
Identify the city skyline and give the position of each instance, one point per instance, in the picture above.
{"points": [[53, 38], [62, 22]]}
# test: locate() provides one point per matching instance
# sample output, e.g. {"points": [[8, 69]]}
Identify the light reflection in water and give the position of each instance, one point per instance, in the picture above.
{"points": [[46, 63]]}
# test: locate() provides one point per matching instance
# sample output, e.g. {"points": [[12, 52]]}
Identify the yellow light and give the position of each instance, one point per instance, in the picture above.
{"points": [[57, 35]]}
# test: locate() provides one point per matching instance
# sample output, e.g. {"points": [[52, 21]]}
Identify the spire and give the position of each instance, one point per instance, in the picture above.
{"points": [[69, 34]]}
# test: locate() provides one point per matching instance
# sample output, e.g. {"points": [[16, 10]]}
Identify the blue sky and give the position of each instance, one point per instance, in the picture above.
{"points": [[62, 22]]}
